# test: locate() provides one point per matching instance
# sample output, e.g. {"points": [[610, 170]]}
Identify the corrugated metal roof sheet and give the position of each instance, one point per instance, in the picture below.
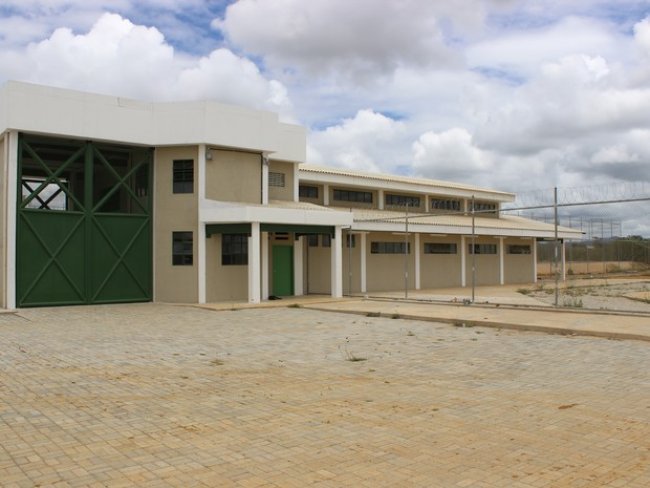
{"points": [[310, 168], [510, 222]]}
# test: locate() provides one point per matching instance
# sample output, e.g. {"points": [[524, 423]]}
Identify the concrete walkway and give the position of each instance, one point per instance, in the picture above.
{"points": [[608, 325]]}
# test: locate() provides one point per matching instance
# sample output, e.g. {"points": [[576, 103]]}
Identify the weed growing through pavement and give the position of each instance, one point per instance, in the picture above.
{"points": [[350, 356]]}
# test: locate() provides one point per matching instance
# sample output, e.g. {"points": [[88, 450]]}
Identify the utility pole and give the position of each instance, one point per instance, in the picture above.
{"points": [[556, 253], [473, 250], [406, 252]]}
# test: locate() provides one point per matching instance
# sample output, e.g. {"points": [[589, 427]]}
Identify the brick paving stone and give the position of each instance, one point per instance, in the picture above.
{"points": [[160, 395]]}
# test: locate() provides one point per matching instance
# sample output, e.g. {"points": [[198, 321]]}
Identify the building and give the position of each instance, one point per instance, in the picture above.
{"points": [[106, 199]]}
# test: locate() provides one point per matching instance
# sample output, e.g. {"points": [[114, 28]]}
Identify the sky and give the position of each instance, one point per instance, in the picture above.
{"points": [[519, 95]]}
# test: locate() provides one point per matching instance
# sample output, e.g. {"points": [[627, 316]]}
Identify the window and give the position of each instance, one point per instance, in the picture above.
{"points": [[182, 253], [353, 196], [183, 176], [389, 248], [51, 196], [442, 204], [305, 191], [312, 240], [402, 200], [327, 240], [234, 249], [483, 249], [276, 179], [519, 249], [439, 248], [350, 239], [484, 207]]}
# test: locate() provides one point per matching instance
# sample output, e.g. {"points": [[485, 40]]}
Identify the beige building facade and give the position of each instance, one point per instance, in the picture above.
{"points": [[197, 202]]}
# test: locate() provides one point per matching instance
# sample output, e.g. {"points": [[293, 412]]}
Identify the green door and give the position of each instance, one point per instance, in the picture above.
{"points": [[282, 271], [83, 223]]}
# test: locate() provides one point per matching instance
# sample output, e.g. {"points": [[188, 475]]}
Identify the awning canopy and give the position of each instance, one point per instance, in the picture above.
{"points": [[245, 228]]}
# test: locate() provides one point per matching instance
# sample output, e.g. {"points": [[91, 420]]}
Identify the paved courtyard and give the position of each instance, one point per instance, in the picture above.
{"points": [[155, 395]]}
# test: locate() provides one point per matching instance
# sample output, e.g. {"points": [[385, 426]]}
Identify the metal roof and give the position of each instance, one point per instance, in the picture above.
{"points": [[435, 185], [458, 223]]}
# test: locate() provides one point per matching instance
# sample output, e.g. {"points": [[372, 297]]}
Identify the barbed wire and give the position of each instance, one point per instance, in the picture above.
{"points": [[582, 194]]}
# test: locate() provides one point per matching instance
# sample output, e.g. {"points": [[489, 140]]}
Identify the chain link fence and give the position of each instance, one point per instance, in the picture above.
{"points": [[609, 268]]}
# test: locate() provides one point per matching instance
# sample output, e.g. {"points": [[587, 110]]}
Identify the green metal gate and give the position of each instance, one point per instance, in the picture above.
{"points": [[84, 223]]}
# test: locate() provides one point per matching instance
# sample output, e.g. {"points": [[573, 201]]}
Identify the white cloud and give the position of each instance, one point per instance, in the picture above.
{"points": [[437, 155], [522, 52], [614, 154], [118, 57], [642, 34], [368, 141], [353, 40]]}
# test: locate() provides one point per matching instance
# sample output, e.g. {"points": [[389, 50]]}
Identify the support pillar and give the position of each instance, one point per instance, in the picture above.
{"points": [[326, 195], [534, 246], [201, 260], [201, 257], [296, 184], [265, 179], [264, 264], [254, 275], [563, 261], [297, 266], [416, 245], [380, 199], [11, 168], [362, 264], [463, 262], [502, 249], [336, 252]]}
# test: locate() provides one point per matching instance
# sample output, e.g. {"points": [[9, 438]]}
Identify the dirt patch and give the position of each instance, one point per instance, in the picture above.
{"points": [[615, 295]]}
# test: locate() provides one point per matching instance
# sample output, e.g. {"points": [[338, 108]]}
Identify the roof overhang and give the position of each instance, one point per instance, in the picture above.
{"points": [[388, 183], [59, 112], [214, 212]]}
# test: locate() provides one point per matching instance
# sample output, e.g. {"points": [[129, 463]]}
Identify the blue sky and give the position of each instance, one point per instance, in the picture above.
{"points": [[478, 91]]}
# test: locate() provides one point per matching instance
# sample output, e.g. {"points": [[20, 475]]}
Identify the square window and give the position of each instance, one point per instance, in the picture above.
{"points": [[312, 240], [306, 191], [183, 176], [234, 249], [482, 248], [276, 179], [327, 240], [519, 249], [182, 248], [439, 248]]}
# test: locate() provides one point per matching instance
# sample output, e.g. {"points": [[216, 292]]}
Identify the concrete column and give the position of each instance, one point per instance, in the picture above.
{"points": [[463, 261], [264, 264], [336, 252], [296, 183], [265, 179], [534, 251], [380, 198], [201, 172], [563, 262], [254, 295], [362, 262], [326, 195], [502, 249], [201, 260], [426, 203], [11, 168], [297, 266], [416, 245]]}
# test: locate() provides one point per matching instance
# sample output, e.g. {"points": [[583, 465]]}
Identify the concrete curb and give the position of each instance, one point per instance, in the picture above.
{"points": [[494, 324]]}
